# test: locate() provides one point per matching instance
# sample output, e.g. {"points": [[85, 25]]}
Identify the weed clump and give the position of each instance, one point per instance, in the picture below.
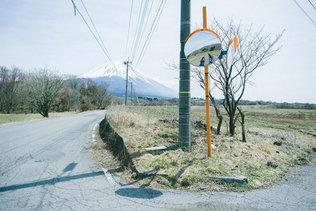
{"points": [[189, 180]]}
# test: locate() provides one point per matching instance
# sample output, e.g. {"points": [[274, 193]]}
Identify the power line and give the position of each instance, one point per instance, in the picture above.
{"points": [[138, 21], [312, 4], [145, 26], [129, 26], [151, 31], [145, 16], [150, 34], [306, 14], [140, 28], [73, 4], [84, 6], [104, 50]]}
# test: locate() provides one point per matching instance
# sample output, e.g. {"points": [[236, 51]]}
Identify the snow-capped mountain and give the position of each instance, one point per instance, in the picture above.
{"points": [[115, 74]]}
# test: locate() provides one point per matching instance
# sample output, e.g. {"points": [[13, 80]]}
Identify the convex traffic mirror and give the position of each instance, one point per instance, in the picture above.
{"points": [[231, 50], [202, 47]]}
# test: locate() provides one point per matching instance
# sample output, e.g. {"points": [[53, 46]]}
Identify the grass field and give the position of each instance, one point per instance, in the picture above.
{"points": [[276, 141], [12, 118], [303, 121]]}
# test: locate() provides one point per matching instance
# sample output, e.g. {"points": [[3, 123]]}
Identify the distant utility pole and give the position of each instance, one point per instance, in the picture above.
{"points": [[184, 86], [131, 93], [135, 98], [127, 64]]}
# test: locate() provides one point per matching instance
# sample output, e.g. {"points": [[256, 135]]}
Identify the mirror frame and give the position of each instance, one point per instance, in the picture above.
{"points": [[198, 30], [203, 29]]}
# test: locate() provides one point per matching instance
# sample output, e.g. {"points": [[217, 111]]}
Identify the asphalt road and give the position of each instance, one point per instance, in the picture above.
{"points": [[44, 166]]}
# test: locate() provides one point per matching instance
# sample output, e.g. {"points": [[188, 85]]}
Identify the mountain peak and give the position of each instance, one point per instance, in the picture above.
{"points": [[114, 74], [116, 68]]}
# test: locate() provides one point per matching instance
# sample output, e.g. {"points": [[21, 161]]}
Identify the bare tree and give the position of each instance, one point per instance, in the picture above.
{"points": [[102, 97], [9, 79], [254, 51], [41, 88], [74, 85]]}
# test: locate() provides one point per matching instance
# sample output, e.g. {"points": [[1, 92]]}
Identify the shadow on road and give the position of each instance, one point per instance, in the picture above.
{"points": [[140, 193], [52, 181], [70, 167]]}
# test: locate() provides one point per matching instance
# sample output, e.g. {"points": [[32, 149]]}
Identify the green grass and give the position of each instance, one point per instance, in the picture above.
{"points": [[12, 118], [159, 163]]}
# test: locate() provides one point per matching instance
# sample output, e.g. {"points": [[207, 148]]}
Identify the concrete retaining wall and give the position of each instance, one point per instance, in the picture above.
{"points": [[116, 144]]}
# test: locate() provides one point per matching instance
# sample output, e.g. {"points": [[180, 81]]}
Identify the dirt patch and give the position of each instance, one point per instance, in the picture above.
{"points": [[259, 159]]}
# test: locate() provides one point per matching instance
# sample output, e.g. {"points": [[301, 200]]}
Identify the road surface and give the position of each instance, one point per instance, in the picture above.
{"points": [[44, 166]]}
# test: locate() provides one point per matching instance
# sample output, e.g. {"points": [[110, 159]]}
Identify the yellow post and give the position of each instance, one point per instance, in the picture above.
{"points": [[207, 98]]}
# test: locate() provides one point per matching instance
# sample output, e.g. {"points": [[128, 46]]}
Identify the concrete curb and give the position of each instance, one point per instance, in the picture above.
{"points": [[94, 130], [240, 180]]}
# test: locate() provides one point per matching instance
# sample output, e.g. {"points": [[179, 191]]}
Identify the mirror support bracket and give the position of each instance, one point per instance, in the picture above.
{"points": [[222, 54]]}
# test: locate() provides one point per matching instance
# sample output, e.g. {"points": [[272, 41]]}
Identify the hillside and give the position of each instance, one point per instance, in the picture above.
{"points": [[115, 77]]}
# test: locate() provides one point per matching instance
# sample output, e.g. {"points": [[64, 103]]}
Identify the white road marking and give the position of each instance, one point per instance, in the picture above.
{"points": [[93, 131], [108, 176]]}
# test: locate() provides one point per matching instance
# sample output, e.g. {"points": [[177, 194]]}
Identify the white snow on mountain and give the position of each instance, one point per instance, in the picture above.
{"points": [[116, 68], [114, 74]]}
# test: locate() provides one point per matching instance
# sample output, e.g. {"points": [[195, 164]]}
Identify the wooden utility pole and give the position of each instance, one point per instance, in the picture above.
{"points": [[127, 64], [184, 85]]}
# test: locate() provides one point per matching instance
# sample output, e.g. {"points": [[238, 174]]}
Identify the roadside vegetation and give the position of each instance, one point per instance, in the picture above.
{"points": [[277, 139], [12, 118], [43, 91]]}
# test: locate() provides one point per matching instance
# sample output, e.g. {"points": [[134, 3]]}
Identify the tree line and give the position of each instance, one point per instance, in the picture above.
{"points": [[44, 91]]}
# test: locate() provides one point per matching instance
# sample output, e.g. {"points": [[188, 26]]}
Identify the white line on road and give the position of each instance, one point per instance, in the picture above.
{"points": [[108, 176]]}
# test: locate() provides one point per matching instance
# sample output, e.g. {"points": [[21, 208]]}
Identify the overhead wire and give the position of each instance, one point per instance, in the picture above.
{"points": [[142, 23], [140, 29], [151, 31], [145, 26], [139, 32], [129, 27], [311, 3], [96, 37], [305, 13], [74, 5], [94, 27], [137, 26]]}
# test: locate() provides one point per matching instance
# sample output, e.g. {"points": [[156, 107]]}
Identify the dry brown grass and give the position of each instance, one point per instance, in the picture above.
{"points": [[144, 127]]}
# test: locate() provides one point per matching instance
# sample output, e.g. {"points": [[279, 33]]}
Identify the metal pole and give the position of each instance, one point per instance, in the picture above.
{"points": [[184, 86], [131, 93], [207, 97], [126, 63], [135, 97]]}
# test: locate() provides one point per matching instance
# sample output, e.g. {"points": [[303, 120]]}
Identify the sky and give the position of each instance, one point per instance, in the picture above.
{"points": [[42, 33]]}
